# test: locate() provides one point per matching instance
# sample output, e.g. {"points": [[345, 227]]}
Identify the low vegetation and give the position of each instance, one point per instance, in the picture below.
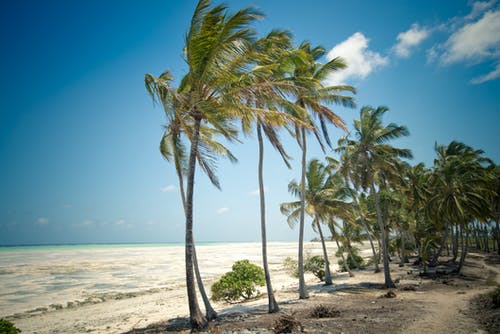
{"points": [[240, 283], [7, 327]]}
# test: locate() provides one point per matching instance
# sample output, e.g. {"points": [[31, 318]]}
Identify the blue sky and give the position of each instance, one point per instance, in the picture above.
{"points": [[79, 135]]}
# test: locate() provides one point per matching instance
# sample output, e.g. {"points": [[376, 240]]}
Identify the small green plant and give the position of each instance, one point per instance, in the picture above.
{"points": [[7, 327], [316, 266], [240, 283], [353, 261], [291, 267], [313, 264]]}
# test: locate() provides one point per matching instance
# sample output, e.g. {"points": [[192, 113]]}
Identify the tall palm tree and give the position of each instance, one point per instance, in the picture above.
{"points": [[269, 54], [371, 153], [310, 74], [174, 150], [217, 44], [322, 193]]}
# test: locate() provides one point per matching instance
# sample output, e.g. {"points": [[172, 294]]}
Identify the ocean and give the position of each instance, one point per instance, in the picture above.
{"points": [[52, 276], [44, 278]]}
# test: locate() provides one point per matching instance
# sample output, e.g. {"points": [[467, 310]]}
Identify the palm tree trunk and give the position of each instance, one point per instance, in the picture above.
{"points": [[210, 313], [498, 236], [272, 304], [403, 249], [368, 233], [387, 273], [342, 256], [302, 284], [486, 239], [465, 246], [197, 319], [454, 243], [328, 275]]}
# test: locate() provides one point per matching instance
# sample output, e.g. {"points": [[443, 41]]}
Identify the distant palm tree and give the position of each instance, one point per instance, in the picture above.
{"points": [[461, 188], [309, 74], [321, 195], [371, 153]]}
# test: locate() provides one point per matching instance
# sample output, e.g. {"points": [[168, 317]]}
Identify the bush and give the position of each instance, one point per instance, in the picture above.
{"points": [[7, 327], [240, 283], [324, 311], [287, 324], [313, 264], [353, 261], [316, 266]]}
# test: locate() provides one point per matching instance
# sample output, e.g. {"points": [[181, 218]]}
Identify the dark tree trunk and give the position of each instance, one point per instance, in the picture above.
{"points": [[464, 247], [302, 284], [209, 310], [486, 239], [343, 257], [328, 276], [403, 250], [455, 243], [385, 255], [272, 304], [498, 236], [197, 318]]}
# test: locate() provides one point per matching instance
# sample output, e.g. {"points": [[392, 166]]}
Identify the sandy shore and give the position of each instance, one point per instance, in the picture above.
{"points": [[116, 312], [420, 305]]}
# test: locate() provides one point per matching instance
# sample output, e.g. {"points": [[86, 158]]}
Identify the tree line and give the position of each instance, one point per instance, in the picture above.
{"points": [[270, 85]]}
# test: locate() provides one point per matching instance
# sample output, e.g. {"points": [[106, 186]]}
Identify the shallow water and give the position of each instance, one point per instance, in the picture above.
{"points": [[40, 276]]}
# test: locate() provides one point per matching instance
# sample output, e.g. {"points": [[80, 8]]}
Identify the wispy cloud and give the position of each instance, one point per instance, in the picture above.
{"points": [[120, 222], [474, 39], [221, 211], [42, 221], [67, 205], [360, 60], [409, 39], [168, 188]]}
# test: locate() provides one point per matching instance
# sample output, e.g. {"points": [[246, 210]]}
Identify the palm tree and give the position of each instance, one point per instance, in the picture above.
{"points": [[461, 183], [309, 74], [322, 193], [370, 153], [217, 44], [173, 149]]}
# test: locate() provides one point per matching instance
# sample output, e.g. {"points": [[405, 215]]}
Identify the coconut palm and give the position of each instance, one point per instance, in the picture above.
{"points": [[310, 75], [461, 183], [322, 193], [370, 153], [217, 44]]}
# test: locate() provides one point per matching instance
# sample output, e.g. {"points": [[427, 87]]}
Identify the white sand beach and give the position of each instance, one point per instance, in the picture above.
{"points": [[114, 289]]}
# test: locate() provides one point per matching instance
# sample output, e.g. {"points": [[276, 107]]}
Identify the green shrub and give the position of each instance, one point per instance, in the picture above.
{"points": [[7, 327], [313, 264], [240, 283], [353, 261], [316, 266]]}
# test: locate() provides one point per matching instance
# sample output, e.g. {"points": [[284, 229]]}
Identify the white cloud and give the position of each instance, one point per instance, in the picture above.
{"points": [[487, 77], [410, 39], [168, 188], [42, 221], [221, 211], [479, 8], [475, 41], [360, 60]]}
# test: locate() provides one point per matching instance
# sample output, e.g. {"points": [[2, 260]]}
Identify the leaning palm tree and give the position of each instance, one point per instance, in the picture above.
{"points": [[217, 44], [173, 150], [309, 74], [371, 153]]}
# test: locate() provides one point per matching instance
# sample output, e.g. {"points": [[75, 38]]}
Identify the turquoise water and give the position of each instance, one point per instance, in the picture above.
{"points": [[87, 246]]}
